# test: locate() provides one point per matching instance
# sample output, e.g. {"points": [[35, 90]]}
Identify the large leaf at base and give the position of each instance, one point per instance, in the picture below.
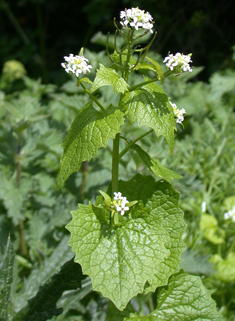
{"points": [[138, 255], [184, 299], [149, 106], [90, 131], [109, 77]]}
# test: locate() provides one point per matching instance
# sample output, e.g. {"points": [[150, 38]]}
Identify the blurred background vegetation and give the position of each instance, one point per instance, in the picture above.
{"points": [[39, 33]]}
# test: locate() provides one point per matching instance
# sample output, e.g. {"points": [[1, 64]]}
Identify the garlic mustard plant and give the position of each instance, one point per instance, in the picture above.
{"points": [[132, 244]]}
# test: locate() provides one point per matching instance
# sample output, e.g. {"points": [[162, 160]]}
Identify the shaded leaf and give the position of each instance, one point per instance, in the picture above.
{"points": [[43, 305], [39, 275]]}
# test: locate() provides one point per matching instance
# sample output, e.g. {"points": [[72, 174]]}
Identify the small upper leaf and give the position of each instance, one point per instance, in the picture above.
{"points": [[109, 77], [150, 107], [90, 131]]}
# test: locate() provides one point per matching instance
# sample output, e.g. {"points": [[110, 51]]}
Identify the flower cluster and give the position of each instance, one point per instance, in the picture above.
{"points": [[178, 62], [136, 18], [119, 203], [230, 214], [76, 65], [179, 113]]}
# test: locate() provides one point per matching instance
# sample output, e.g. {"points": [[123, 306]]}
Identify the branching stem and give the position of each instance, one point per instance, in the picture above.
{"points": [[92, 97], [126, 149]]}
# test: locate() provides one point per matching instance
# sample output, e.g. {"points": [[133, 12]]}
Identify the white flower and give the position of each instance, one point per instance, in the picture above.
{"points": [[178, 62], [76, 65], [119, 203], [203, 207], [136, 18], [117, 196], [179, 113], [230, 214]]}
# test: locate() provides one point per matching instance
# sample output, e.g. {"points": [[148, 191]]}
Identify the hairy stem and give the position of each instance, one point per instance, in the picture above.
{"points": [[115, 163], [92, 97], [125, 150]]}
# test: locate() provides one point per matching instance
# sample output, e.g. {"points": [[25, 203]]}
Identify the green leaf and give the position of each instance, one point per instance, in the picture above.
{"points": [[115, 315], [155, 165], [39, 275], [116, 58], [14, 196], [43, 305], [157, 67], [6, 278], [139, 254], [90, 131], [145, 65], [84, 79], [149, 106], [210, 229], [107, 199], [154, 66], [184, 299], [109, 77], [229, 203], [195, 263], [225, 269]]}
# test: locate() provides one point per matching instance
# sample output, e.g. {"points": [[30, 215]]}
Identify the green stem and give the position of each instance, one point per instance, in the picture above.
{"points": [[142, 84], [115, 164], [92, 97], [232, 246], [116, 218], [84, 179], [41, 41], [125, 150], [5, 6], [23, 247], [151, 305], [166, 74]]}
